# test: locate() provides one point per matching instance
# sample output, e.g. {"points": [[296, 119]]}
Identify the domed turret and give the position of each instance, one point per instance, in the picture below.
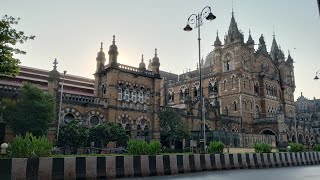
{"points": [[101, 58], [113, 53], [54, 74], [155, 63], [142, 65]]}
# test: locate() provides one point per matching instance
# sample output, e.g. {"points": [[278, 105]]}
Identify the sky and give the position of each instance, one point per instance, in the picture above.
{"points": [[72, 31]]}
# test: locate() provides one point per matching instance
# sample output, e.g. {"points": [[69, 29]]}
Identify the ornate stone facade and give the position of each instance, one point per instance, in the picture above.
{"points": [[246, 90]]}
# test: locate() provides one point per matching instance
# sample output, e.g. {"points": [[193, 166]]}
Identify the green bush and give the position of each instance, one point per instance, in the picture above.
{"points": [[141, 147], [29, 146], [154, 148], [262, 148], [316, 147], [216, 147], [295, 147]]}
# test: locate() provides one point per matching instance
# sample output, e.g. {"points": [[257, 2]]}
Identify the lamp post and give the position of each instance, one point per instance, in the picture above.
{"points": [[60, 105], [316, 77], [197, 20]]}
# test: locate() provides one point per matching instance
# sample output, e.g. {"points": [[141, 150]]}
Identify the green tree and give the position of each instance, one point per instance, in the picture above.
{"points": [[33, 112], [73, 135], [9, 37], [173, 127], [104, 133]]}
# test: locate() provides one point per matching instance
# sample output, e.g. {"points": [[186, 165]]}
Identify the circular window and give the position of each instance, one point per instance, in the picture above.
{"points": [[68, 118], [94, 120]]}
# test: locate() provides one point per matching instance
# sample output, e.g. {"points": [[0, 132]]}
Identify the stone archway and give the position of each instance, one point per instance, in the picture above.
{"points": [[127, 123]]}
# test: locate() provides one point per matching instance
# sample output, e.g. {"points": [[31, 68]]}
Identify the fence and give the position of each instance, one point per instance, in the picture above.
{"points": [[234, 139]]}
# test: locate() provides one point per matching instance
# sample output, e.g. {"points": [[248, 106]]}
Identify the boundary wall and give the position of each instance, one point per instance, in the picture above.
{"points": [[144, 165]]}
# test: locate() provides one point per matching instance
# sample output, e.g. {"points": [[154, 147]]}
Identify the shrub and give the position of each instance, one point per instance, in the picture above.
{"points": [[29, 146], [316, 147], [216, 147], [154, 148], [262, 148], [295, 147], [141, 147]]}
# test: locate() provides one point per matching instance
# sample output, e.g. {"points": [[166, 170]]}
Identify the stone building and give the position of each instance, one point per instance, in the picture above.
{"points": [[245, 90], [307, 121], [253, 85]]}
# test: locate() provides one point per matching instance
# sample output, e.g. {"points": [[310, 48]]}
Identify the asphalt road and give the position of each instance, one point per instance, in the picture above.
{"points": [[287, 173]]}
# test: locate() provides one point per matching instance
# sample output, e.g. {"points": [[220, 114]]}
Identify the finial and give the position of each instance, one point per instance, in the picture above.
{"points": [[101, 47], [142, 58], [232, 8], [55, 62], [155, 52], [301, 94], [217, 33], [273, 32], [249, 31], [288, 52], [114, 39]]}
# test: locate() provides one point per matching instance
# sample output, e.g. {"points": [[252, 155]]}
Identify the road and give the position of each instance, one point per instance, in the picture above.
{"points": [[287, 173]]}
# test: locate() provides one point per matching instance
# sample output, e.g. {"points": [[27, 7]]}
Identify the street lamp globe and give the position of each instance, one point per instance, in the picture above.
{"points": [[211, 16]]}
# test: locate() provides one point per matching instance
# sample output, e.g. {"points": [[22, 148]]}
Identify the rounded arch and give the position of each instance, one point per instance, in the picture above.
{"points": [[125, 121], [70, 114], [94, 117], [144, 123], [268, 131], [234, 129]]}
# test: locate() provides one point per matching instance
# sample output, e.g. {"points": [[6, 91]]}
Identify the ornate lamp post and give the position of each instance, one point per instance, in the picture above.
{"points": [[60, 105], [197, 20]]}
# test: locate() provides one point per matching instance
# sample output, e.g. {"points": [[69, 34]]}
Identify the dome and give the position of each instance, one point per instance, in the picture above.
{"points": [[54, 74], [209, 59], [155, 59], [101, 54], [113, 47]]}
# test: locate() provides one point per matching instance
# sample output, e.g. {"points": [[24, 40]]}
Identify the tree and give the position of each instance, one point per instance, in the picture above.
{"points": [[104, 133], [73, 135], [33, 112], [9, 37], [173, 126]]}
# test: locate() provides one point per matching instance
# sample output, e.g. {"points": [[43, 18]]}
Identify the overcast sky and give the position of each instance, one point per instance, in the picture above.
{"points": [[71, 31]]}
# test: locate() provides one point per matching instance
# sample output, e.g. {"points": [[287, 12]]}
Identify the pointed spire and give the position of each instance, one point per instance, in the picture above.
{"points": [[274, 51], [217, 42], [262, 46], [250, 40], [289, 60], [114, 39], [233, 33]]}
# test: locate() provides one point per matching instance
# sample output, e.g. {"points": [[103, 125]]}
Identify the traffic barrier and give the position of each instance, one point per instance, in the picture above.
{"points": [[144, 165]]}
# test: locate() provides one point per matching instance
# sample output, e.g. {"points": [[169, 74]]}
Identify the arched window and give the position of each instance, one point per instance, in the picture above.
{"points": [[119, 93], [234, 106], [233, 82], [227, 64], [251, 104], [195, 91], [126, 95], [225, 85], [140, 98], [134, 96], [245, 104], [226, 110], [257, 112]]}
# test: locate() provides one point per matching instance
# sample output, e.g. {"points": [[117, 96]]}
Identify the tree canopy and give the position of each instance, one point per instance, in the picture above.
{"points": [[173, 126], [33, 111], [73, 135], [107, 132], [9, 37]]}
